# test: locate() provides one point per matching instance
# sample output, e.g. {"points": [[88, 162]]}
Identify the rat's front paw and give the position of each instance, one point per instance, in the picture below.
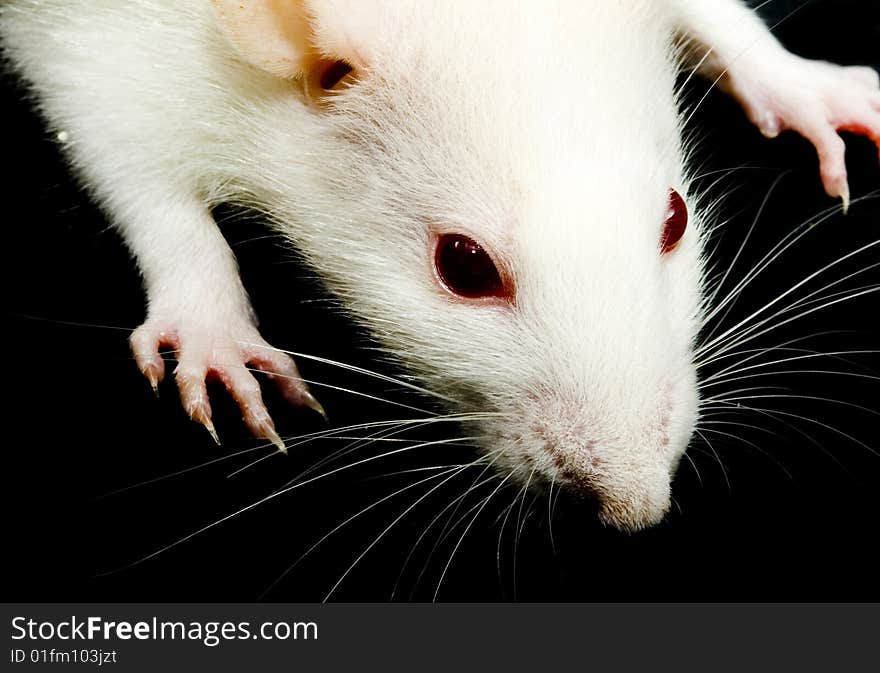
{"points": [[227, 355], [815, 98]]}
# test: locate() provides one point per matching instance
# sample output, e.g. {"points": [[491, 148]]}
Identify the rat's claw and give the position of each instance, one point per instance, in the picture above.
{"points": [[314, 405], [190, 378], [832, 164], [204, 353], [153, 376], [260, 424], [145, 344], [246, 391], [277, 365], [209, 426], [815, 98]]}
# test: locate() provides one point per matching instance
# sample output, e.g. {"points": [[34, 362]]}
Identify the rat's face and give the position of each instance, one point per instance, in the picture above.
{"points": [[511, 219]]}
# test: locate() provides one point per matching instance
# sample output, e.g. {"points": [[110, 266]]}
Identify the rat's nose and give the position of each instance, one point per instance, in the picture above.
{"points": [[635, 508], [628, 496], [619, 461]]}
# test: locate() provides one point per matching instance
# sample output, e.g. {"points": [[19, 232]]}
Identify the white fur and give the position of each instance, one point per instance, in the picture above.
{"points": [[547, 131]]}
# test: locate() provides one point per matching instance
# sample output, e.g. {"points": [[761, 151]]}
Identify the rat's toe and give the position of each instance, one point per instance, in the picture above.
{"points": [[205, 352], [280, 367], [246, 391], [817, 99], [145, 343], [864, 75], [190, 378], [831, 150]]}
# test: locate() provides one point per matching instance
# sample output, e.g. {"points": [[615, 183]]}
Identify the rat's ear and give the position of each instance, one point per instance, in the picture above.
{"points": [[274, 35], [286, 37]]}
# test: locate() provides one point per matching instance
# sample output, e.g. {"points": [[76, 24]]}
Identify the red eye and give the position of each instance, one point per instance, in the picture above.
{"points": [[676, 222], [466, 269]]}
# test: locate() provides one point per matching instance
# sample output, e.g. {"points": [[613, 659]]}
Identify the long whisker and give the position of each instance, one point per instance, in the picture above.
{"points": [[696, 470], [177, 473], [73, 323], [273, 452], [786, 242], [452, 470], [717, 458], [822, 372], [341, 389], [550, 515], [464, 533], [742, 440], [814, 398], [386, 529], [268, 498], [705, 424], [763, 452], [386, 433], [719, 339], [739, 252], [519, 522], [456, 505], [777, 412], [355, 369], [506, 514], [416, 470], [757, 330], [754, 353]]}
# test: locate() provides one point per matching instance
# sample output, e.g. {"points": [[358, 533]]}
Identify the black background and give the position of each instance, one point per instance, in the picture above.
{"points": [[793, 514]]}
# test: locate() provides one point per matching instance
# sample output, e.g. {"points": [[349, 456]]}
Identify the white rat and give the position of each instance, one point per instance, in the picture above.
{"points": [[497, 189]]}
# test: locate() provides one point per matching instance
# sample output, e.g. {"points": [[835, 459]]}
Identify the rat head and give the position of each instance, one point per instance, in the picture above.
{"points": [[497, 190]]}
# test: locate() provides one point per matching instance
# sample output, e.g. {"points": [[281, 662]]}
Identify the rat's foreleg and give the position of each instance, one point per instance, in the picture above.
{"points": [[198, 307], [779, 90]]}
